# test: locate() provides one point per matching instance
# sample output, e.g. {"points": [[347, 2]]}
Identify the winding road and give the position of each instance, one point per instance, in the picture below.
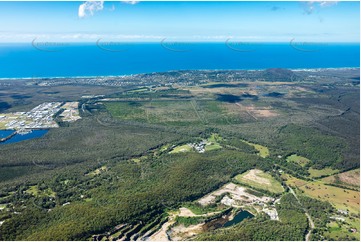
{"points": [[310, 221]]}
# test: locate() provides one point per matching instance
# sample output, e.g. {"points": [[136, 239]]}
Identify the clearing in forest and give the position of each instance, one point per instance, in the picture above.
{"points": [[260, 180], [263, 151], [341, 198], [181, 148], [302, 161], [348, 178], [314, 173]]}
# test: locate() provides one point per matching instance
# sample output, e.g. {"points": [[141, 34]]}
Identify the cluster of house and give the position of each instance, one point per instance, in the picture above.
{"points": [[199, 147]]}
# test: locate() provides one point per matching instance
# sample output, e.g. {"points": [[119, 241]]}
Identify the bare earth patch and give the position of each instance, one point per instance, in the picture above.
{"points": [[265, 112], [181, 232], [254, 112], [161, 234], [185, 212], [350, 177], [238, 194], [254, 175]]}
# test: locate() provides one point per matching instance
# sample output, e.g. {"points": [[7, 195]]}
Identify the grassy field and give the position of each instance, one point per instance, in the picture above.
{"points": [[200, 111], [181, 148], [127, 110], [164, 148], [349, 178], [337, 231], [199, 210], [213, 146], [2, 125], [340, 198], [314, 173], [260, 180], [97, 171], [213, 142], [34, 190], [263, 151], [302, 161], [162, 112]]}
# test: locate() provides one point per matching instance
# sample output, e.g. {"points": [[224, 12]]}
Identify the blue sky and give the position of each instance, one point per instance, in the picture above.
{"points": [[183, 21]]}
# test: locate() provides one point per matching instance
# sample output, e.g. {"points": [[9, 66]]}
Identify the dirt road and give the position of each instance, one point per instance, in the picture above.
{"points": [[310, 221]]}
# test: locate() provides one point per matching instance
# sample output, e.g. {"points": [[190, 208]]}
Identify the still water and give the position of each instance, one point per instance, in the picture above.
{"points": [[21, 137], [238, 218]]}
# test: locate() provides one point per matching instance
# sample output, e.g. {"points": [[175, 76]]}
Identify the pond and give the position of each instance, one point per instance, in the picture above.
{"points": [[239, 218], [21, 137]]}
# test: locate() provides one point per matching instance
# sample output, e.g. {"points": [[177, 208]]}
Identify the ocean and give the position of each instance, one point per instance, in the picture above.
{"points": [[111, 58]]}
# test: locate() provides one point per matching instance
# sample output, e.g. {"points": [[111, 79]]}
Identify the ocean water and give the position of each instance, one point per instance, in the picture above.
{"points": [[108, 58]]}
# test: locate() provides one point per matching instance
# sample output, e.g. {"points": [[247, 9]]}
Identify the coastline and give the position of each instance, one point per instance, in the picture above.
{"points": [[145, 73]]}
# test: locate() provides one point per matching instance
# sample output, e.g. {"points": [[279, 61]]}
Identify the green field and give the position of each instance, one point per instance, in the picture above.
{"points": [[340, 198], [314, 173], [182, 112], [181, 148], [97, 171], [126, 110], [341, 230], [263, 151], [212, 142], [260, 180], [213, 146], [34, 190], [302, 161]]}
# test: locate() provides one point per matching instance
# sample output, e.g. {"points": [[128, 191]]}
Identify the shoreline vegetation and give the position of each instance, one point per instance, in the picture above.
{"points": [[185, 70]]}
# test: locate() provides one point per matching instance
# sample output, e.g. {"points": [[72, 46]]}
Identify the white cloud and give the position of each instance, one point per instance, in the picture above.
{"points": [[130, 2], [327, 3], [311, 6], [89, 8]]}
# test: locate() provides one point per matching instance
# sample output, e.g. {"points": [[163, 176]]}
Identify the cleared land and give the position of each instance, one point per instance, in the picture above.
{"points": [[314, 173], [239, 196], [348, 178], [263, 151], [206, 145], [35, 191], [181, 148], [212, 142], [187, 112], [71, 112], [260, 180], [344, 199], [302, 161]]}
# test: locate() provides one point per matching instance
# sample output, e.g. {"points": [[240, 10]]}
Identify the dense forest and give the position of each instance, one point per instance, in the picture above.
{"points": [[117, 166]]}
